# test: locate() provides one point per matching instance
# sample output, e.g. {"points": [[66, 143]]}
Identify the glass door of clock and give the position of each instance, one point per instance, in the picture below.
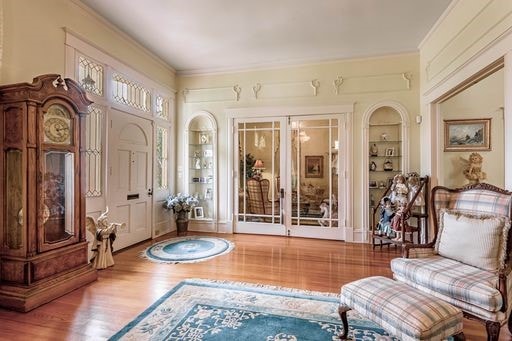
{"points": [[58, 213]]}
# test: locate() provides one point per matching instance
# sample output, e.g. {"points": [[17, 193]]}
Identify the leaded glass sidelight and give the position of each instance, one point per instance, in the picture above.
{"points": [[161, 158], [94, 151]]}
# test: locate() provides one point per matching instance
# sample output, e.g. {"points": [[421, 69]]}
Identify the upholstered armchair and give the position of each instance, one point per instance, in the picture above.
{"points": [[468, 263], [258, 201]]}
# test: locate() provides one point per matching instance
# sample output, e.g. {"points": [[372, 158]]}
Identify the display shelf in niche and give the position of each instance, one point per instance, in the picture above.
{"points": [[385, 140], [201, 177]]}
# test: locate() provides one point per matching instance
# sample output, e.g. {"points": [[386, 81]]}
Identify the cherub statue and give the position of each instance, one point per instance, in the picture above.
{"points": [[104, 234], [473, 169]]}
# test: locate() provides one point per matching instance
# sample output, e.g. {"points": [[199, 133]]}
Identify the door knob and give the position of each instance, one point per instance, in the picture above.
{"points": [[150, 192]]}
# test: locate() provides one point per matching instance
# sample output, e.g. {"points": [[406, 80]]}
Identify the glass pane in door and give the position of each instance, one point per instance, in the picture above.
{"points": [[314, 162], [259, 169]]}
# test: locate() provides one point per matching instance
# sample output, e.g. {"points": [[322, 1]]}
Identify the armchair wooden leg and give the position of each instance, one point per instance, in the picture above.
{"points": [[343, 315], [459, 337], [493, 330], [509, 324]]}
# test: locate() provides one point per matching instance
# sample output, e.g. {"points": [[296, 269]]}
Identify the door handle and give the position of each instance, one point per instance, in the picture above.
{"points": [[150, 191], [281, 201]]}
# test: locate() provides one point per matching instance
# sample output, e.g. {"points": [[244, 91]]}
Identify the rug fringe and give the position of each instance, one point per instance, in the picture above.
{"points": [[261, 286]]}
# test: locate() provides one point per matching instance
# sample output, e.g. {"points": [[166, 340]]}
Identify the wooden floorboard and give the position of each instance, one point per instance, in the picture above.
{"points": [[100, 309]]}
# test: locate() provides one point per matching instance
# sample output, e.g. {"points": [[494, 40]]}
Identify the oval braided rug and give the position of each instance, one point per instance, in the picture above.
{"points": [[187, 249]]}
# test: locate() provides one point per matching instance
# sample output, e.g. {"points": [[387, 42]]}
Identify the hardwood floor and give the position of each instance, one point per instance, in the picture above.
{"points": [[98, 310]]}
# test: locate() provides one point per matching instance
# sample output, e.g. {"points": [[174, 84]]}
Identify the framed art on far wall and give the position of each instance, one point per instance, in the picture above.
{"points": [[467, 135], [314, 166]]}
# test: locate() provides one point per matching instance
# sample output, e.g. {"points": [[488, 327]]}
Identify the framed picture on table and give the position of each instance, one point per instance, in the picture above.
{"points": [[198, 212]]}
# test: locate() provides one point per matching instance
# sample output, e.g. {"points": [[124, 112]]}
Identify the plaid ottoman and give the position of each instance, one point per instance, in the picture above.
{"points": [[400, 309]]}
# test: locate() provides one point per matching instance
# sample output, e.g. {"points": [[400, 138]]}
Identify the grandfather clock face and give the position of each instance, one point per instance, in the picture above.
{"points": [[57, 125]]}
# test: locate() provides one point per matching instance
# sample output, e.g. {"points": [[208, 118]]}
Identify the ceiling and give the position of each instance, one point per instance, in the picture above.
{"points": [[195, 36]]}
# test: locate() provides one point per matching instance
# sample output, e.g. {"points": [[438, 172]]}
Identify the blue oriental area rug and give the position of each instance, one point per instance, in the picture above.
{"points": [[217, 310], [187, 249]]}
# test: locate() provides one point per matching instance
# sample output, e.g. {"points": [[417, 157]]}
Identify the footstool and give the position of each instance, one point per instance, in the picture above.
{"points": [[401, 310]]}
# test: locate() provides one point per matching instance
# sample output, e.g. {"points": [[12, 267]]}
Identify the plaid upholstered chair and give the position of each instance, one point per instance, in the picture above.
{"points": [[258, 201], [468, 264]]}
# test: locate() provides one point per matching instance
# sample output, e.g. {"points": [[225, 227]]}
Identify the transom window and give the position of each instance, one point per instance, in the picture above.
{"points": [[130, 93], [90, 76]]}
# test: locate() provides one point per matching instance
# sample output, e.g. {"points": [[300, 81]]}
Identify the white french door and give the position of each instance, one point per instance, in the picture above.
{"points": [[258, 203], [288, 176], [130, 176]]}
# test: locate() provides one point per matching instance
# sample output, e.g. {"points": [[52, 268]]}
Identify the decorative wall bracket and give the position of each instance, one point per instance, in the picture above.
{"points": [[315, 84], [255, 89], [337, 83], [237, 91]]}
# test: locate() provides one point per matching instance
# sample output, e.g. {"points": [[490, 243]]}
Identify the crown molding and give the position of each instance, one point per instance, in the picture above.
{"points": [[438, 22], [124, 35], [288, 64]]}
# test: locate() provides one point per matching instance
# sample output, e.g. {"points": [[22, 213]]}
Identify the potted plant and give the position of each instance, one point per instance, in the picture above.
{"points": [[181, 205]]}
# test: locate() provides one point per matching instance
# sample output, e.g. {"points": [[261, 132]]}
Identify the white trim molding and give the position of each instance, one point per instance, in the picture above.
{"points": [[273, 90], [346, 174], [400, 81]]}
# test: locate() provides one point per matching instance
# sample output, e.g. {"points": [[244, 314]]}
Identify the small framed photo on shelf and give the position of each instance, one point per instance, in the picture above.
{"points": [[198, 212], [372, 184], [208, 153], [390, 151], [204, 138]]}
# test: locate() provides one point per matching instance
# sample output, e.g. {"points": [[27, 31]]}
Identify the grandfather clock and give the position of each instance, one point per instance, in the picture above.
{"points": [[43, 250]]}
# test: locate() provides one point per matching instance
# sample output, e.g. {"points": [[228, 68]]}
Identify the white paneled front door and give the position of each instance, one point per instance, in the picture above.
{"points": [[130, 176]]}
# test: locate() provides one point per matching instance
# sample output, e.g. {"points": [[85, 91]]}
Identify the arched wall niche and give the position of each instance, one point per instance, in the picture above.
{"points": [[201, 167], [389, 118]]}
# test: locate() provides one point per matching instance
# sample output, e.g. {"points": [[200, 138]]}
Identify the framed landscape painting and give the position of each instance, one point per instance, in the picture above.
{"points": [[467, 135]]}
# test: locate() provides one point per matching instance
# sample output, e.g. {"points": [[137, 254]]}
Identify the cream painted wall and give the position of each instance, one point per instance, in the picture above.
{"points": [[470, 36], [479, 101], [33, 41], [371, 71]]}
